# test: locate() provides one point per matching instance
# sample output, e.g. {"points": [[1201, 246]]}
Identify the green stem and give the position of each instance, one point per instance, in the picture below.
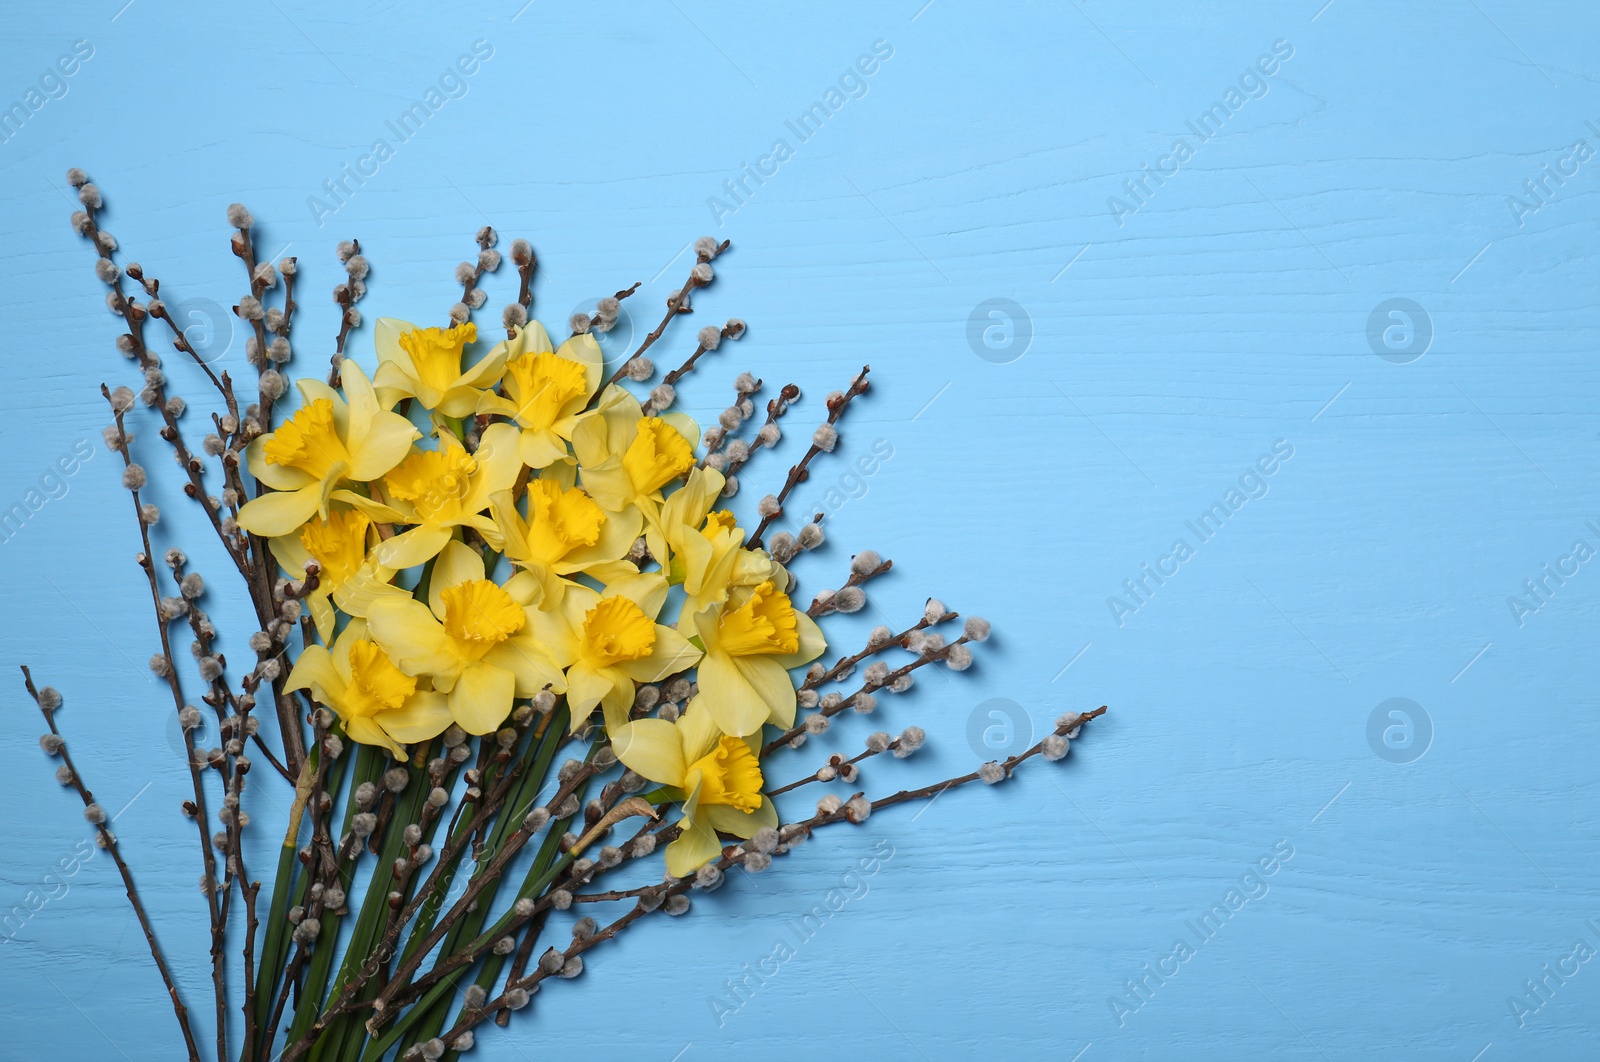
{"points": [[434, 1003], [370, 922], [275, 949], [370, 763]]}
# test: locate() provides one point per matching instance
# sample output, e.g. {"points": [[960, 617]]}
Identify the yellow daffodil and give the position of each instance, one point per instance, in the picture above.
{"points": [[703, 549], [626, 458], [565, 532], [545, 390], [751, 642], [425, 364], [378, 703], [441, 490], [608, 643], [327, 442], [348, 574], [475, 639], [720, 777]]}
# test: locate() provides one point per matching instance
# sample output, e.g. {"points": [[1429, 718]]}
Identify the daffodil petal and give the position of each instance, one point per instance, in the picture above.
{"points": [[771, 682], [698, 732], [280, 512], [618, 700], [368, 732], [651, 747], [525, 588], [694, 848], [541, 448], [524, 658], [648, 590], [423, 717], [586, 687], [405, 630], [314, 671], [377, 511], [278, 477], [608, 483], [386, 333], [485, 372], [387, 441], [728, 696], [393, 377], [458, 401], [499, 458], [671, 654], [482, 696], [370, 582], [322, 615], [411, 548], [556, 630], [726, 819]]}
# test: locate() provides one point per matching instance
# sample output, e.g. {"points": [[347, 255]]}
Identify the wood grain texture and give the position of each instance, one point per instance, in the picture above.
{"points": [[1167, 354]]}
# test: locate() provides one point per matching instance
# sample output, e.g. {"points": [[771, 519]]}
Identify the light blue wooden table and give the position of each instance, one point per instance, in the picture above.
{"points": [[1110, 264]]}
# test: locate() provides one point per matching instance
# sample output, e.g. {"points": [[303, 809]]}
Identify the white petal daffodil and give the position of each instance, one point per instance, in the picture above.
{"points": [[751, 642], [327, 443], [564, 533], [377, 702], [477, 640], [719, 776], [443, 489], [545, 390], [425, 364], [625, 458], [608, 642], [347, 573]]}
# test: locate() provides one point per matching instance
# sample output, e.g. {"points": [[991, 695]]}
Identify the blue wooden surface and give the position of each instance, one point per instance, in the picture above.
{"points": [[1154, 361]]}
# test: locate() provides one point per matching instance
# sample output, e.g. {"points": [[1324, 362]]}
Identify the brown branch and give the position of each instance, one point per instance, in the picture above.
{"points": [[822, 606], [108, 841], [201, 818], [799, 472], [677, 303], [869, 686], [730, 858]]}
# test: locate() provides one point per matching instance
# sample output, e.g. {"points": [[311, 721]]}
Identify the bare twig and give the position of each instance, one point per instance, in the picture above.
{"points": [[108, 841]]}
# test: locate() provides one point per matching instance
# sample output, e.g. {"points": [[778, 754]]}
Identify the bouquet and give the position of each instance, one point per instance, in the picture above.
{"points": [[512, 651]]}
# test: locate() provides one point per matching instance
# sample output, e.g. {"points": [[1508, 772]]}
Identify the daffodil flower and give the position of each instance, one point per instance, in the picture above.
{"points": [[425, 364], [475, 639], [348, 574], [703, 548], [378, 703], [441, 490], [719, 775], [565, 532], [545, 390], [327, 442], [625, 458], [751, 642], [607, 643]]}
